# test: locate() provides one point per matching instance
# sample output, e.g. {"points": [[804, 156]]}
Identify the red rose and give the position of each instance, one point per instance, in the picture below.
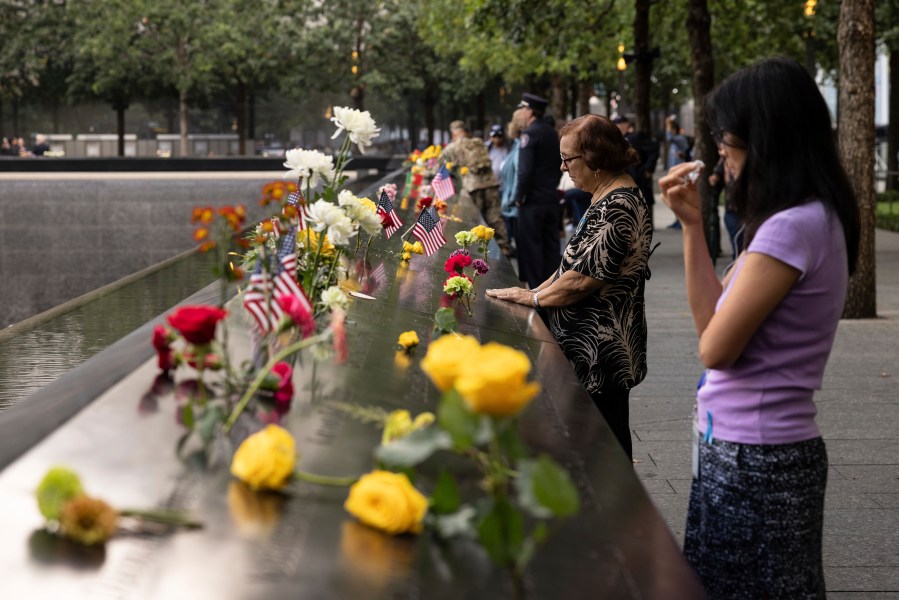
{"points": [[197, 323], [295, 308], [210, 361], [162, 340], [284, 393]]}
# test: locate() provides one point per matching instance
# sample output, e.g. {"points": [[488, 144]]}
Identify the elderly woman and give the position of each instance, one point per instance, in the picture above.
{"points": [[594, 302]]}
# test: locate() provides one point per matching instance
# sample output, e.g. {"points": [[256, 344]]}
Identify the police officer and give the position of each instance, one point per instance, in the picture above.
{"points": [[539, 211], [479, 184]]}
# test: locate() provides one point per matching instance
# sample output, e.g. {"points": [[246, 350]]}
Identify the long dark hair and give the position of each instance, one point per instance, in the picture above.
{"points": [[774, 106]]}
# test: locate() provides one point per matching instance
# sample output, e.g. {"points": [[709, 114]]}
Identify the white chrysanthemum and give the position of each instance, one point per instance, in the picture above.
{"points": [[334, 298], [322, 214], [342, 231], [371, 223], [358, 124], [361, 211], [310, 165]]}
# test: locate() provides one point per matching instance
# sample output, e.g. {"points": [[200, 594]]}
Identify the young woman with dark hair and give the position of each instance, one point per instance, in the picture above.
{"points": [[755, 520]]}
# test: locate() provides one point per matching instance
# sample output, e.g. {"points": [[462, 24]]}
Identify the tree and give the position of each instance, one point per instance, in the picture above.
{"points": [[887, 21], [107, 62], [182, 40], [699, 27], [855, 36], [33, 51], [561, 41]]}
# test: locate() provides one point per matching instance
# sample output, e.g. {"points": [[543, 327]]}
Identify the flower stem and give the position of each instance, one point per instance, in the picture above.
{"points": [[324, 479], [167, 517], [260, 377]]}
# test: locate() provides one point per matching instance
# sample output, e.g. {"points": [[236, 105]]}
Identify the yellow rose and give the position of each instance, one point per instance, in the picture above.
{"points": [[446, 357], [408, 340], [494, 381], [418, 248], [449, 165], [464, 170], [387, 501], [399, 424], [266, 459]]}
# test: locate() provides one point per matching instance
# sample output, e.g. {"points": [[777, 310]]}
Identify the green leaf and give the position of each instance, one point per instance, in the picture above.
{"points": [[213, 416], [457, 524], [509, 440], [501, 533], [187, 415], [455, 418], [445, 498], [545, 489], [414, 448], [445, 320]]}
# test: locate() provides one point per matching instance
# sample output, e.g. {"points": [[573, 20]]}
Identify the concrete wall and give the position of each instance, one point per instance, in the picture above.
{"points": [[64, 235]]}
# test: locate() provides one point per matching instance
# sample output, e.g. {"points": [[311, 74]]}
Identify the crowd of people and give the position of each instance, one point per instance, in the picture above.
{"points": [[15, 146], [755, 519]]}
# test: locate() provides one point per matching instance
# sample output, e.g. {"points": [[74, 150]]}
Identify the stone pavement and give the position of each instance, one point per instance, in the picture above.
{"points": [[858, 413]]}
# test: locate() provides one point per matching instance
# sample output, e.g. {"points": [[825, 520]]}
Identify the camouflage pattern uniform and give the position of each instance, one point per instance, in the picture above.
{"points": [[480, 184]]}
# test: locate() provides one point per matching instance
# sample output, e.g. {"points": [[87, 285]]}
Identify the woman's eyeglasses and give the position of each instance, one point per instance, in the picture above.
{"points": [[734, 142], [565, 161]]}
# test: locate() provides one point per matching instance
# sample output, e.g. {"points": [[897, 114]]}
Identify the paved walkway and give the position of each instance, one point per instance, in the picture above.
{"points": [[858, 412]]}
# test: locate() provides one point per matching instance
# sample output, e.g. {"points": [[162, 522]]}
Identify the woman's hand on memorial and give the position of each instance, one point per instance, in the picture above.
{"points": [[680, 195], [513, 294]]}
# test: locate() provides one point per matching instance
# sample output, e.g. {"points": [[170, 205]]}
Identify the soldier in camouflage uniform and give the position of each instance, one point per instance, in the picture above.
{"points": [[479, 184]]}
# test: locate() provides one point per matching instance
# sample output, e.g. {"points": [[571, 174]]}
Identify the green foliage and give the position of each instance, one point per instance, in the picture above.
{"points": [[415, 448], [445, 321], [455, 418], [445, 499], [545, 489], [501, 532], [57, 487]]}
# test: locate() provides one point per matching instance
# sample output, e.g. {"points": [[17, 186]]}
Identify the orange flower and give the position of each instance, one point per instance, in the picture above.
{"points": [[207, 215], [200, 234]]}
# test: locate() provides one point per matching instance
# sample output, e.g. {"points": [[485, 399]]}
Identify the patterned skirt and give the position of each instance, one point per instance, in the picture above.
{"points": [[755, 519]]}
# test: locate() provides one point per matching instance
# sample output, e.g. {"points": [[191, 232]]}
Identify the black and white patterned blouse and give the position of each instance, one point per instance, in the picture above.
{"points": [[604, 334]]}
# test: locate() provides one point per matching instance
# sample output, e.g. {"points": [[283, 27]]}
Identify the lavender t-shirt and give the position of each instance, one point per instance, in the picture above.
{"points": [[765, 397]]}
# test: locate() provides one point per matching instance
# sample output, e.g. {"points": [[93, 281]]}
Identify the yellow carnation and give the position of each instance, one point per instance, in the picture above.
{"points": [[387, 501], [406, 256], [485, 234], [408, 340], [464, 170], [449, 165], [494, 381], [418, 248], [266, 459], [88, 520], [445, 358]]}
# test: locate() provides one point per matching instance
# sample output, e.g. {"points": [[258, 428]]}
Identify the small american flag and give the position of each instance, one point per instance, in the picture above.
{"points": [[442, 184], [428, 229], [294, 200], [267, 315], [385, 207]]}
